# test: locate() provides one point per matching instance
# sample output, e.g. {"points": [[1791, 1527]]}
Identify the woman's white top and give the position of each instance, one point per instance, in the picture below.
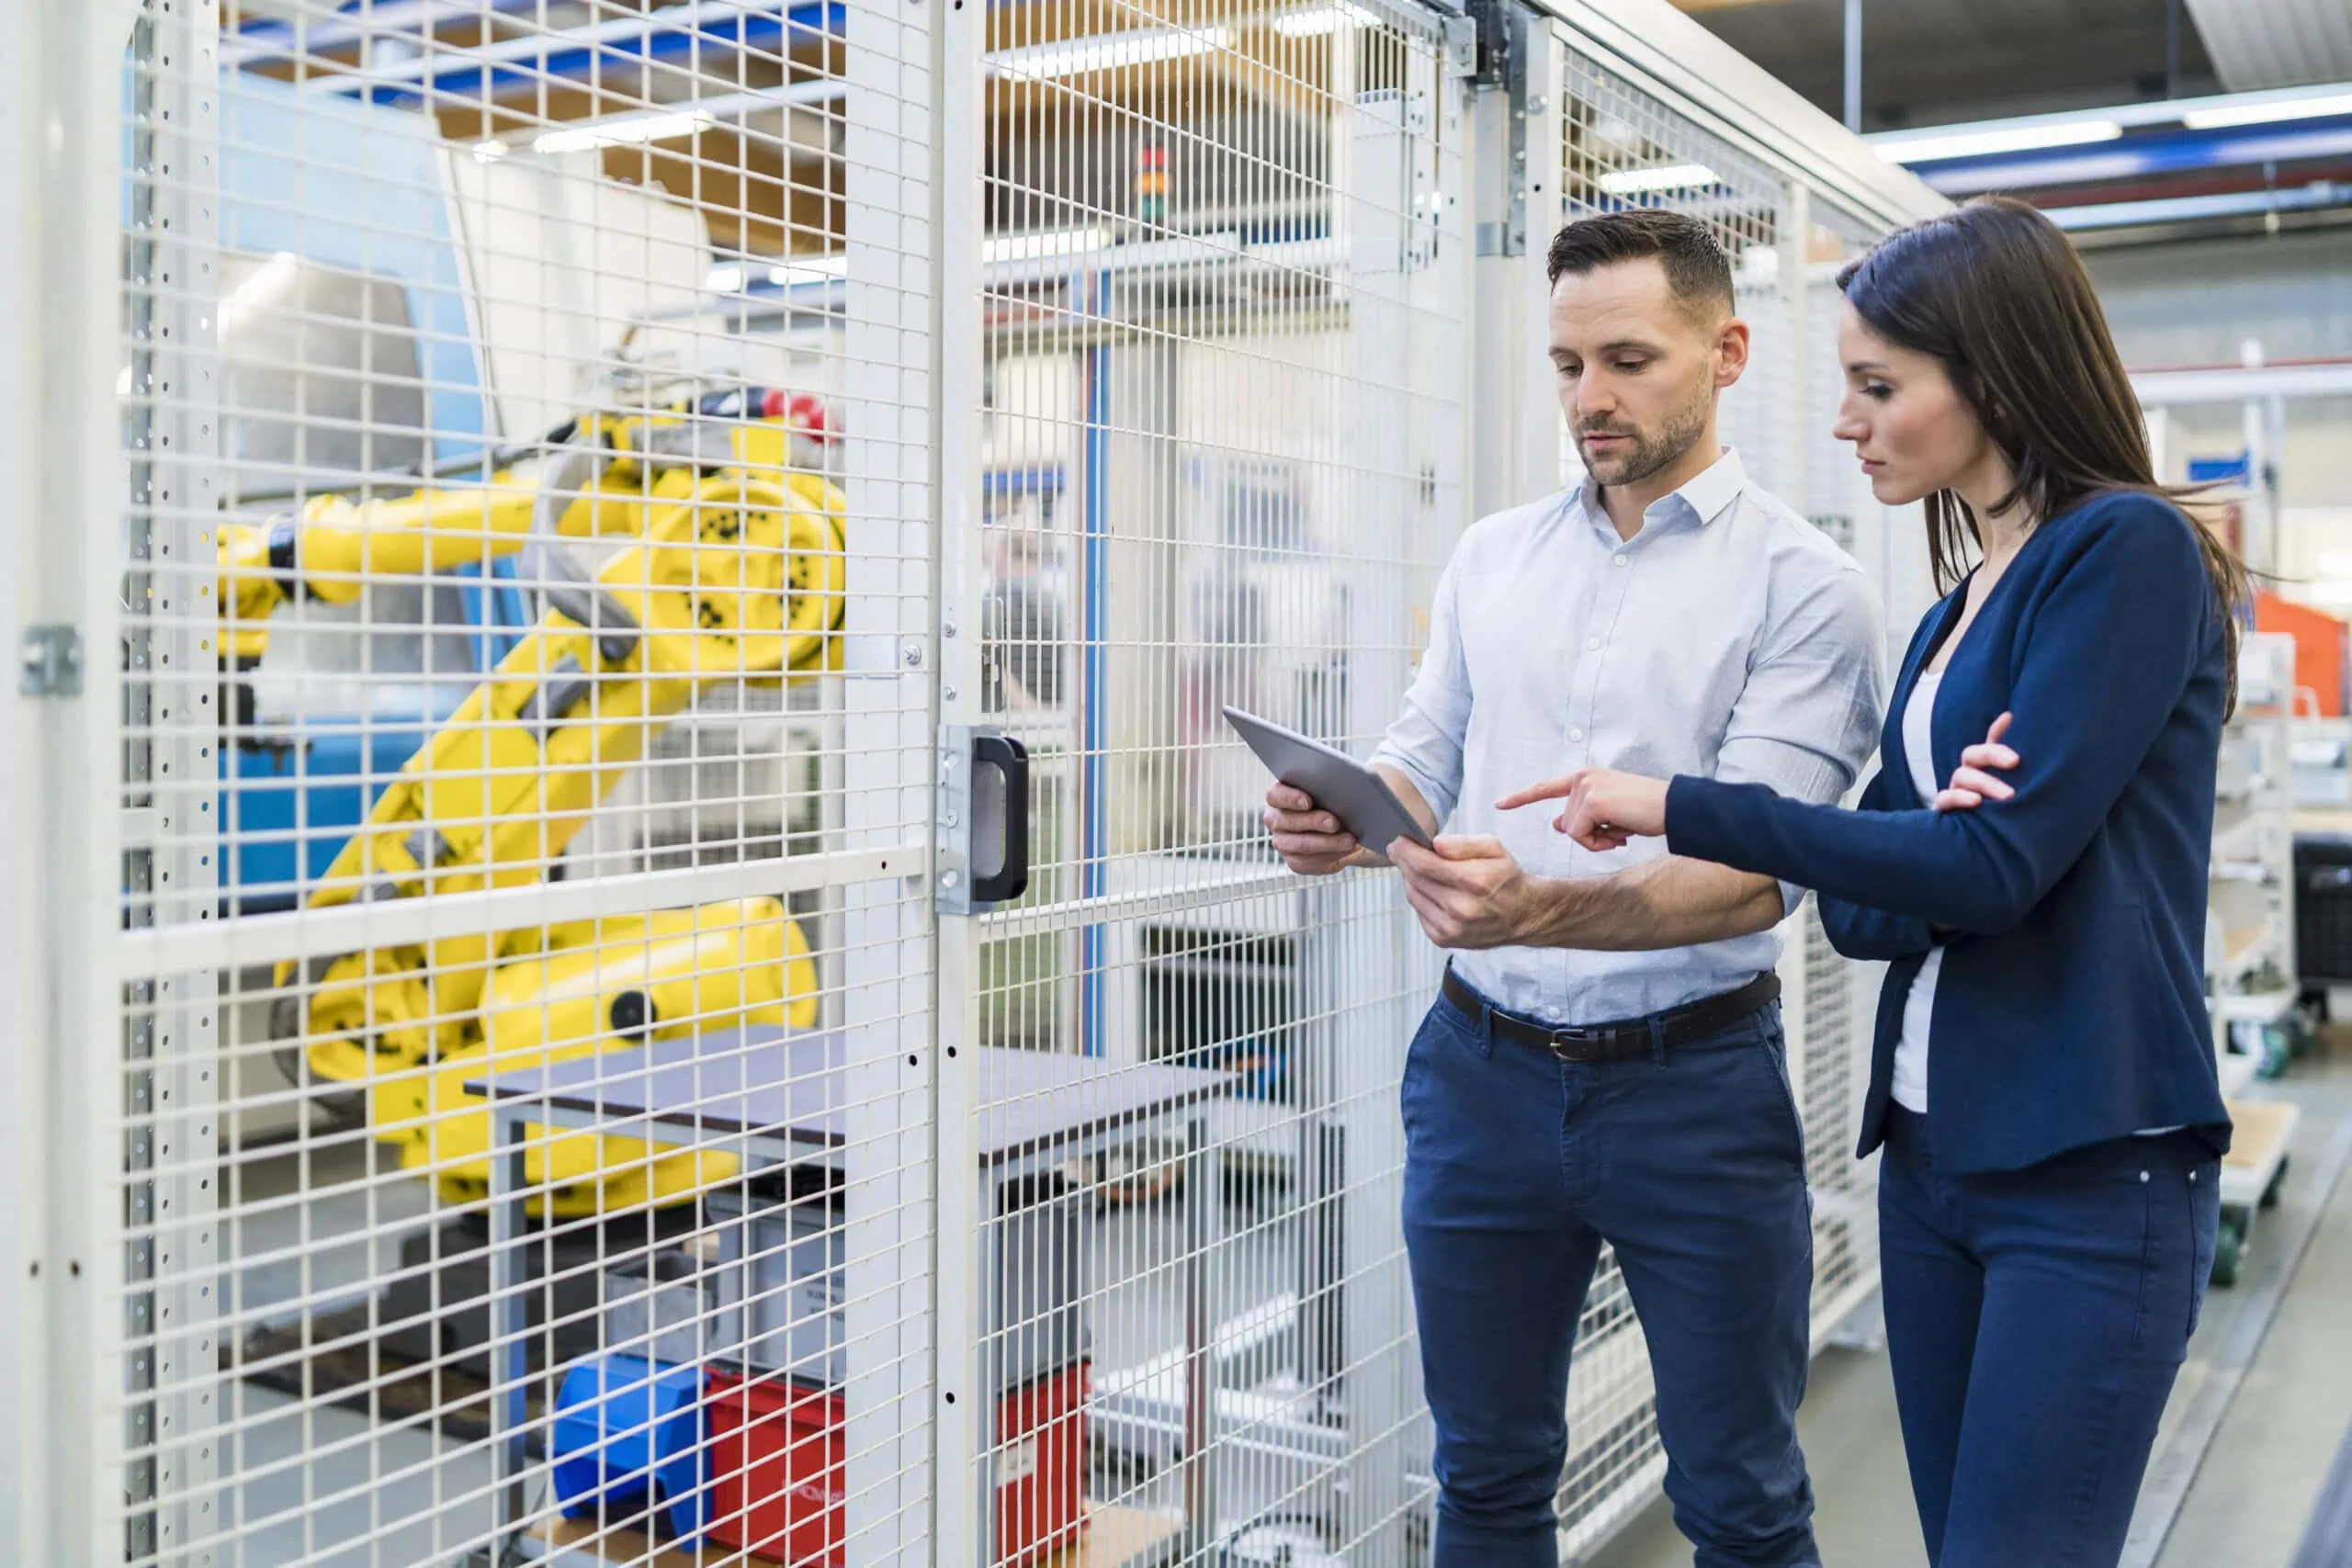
{"points": [[1910, 1083]]}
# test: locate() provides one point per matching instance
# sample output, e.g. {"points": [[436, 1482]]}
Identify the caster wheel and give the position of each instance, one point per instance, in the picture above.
{"points": [[2278, 1182], [2229, 1247], [2277, 1052]]}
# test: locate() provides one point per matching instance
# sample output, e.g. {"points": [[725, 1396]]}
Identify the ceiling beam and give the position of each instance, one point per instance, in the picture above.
{"points": [[1695, 7]]}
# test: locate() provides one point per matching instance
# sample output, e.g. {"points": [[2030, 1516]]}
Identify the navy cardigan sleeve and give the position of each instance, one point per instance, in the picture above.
{"points": [[1860, 930], [2095, 678]]}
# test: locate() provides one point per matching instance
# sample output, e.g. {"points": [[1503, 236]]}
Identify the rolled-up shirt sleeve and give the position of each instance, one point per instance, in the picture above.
{"points": [[1808, 717], [1426, 740]]}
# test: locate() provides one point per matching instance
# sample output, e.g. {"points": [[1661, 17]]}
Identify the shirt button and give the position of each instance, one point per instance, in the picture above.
{"points": [[1592, 644], [2144, 1176], [1620, 561], [1575, 734]]}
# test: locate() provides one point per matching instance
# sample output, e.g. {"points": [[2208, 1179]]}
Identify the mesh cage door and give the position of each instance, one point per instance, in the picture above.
{"points": [[1219, 381], [523, 759], [1622, 145]]}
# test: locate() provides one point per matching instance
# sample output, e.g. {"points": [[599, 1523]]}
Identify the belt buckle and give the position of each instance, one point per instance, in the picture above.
{"points": [[1586, 1037]]}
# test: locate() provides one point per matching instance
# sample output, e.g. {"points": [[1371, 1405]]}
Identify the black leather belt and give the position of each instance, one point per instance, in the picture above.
{"points": [[1626, 1037]]}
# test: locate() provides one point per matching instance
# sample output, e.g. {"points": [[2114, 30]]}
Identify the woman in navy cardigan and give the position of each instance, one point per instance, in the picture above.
{"points": [[2043, 1073]]}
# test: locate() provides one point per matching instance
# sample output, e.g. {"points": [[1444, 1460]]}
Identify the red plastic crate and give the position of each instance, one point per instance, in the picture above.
{"points": [[777, 1479], [1041, 1466]]}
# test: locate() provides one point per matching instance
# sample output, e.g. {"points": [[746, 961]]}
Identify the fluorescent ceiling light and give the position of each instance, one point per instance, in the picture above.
{"points": [[1052, 243], [1323, 19], [621, 129], [2263, 114], [2196, 208], [810, 269], [1677, 176], [1931, 147], [1108, 51], [734, 276]]}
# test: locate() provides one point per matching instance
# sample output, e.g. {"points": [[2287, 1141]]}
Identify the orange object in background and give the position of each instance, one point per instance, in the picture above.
{"points": [[2319, 649]]}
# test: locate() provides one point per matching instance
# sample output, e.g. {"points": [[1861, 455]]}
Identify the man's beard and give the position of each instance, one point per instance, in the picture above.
{"points": [[1648, 451]]}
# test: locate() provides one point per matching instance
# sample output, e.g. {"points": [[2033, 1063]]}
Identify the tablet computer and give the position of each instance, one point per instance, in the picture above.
{"points": [[1348, 789]]}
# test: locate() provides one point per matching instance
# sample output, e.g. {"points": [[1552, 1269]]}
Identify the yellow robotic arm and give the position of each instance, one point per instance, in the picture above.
{"points": [[332, 549], [733, 577], [613, 469]]}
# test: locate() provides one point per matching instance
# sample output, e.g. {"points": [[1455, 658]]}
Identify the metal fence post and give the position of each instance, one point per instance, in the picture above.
{"points": [[961, 1408], [60, 184]]}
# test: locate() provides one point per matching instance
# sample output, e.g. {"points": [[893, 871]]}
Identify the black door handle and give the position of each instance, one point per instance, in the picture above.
{"points": [[999, 796]]}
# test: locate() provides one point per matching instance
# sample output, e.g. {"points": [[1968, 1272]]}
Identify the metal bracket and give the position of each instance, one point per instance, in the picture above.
{"points": [[1499, 31], [1506, 33], [952, 834], [1461, 43], [49, 661]]}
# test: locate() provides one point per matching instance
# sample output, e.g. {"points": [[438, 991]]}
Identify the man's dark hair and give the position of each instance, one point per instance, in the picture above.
{"points": [[1697, 269]]}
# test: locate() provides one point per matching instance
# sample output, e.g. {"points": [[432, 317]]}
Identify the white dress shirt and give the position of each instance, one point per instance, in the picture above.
{"points": [[1728, 638]]}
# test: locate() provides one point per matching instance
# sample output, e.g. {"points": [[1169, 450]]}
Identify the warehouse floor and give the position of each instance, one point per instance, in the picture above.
{"points": [[2249, 1493]]}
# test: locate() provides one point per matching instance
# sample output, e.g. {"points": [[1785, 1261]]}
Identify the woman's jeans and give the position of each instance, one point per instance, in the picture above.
{"points": [[2035, 1320]]}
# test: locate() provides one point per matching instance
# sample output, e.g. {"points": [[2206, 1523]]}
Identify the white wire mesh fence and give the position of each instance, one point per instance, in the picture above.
{"points": [[612, 497], [1222, 393], [528, 611], [1620, 145]]}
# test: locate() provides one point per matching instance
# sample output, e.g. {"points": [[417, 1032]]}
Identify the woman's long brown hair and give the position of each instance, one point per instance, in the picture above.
{"points": [[1996, 292]]}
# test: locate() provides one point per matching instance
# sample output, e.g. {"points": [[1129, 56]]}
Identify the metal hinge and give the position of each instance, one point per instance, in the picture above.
{"points": [[49, 661]]}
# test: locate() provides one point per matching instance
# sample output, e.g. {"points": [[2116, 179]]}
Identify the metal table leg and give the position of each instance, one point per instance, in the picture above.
{"points": [[510, 1354], [1200, 1342]]}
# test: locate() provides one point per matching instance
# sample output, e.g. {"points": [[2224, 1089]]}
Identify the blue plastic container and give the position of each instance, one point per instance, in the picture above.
{"points": [[628, 1432]]}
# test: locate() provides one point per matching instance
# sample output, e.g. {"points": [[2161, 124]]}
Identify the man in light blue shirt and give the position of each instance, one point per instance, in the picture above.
{"points": [[1606, 1062]]}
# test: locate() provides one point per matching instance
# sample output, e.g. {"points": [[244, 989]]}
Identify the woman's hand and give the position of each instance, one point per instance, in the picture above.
{"points": [[1972, 781], [1605, 808]]}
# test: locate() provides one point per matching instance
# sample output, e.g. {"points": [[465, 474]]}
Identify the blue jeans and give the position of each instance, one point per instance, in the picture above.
{"points": [[2035, 1320], [1690, 1163]]}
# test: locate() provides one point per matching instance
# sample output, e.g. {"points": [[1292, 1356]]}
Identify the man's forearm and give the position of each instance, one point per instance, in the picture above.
{"points": [[1668, 902]]}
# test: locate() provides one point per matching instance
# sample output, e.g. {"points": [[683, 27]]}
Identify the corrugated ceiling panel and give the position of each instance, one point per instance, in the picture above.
{"points": [[2276, 43]]}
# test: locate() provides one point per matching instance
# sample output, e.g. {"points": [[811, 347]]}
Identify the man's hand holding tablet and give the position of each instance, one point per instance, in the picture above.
{"points": [[1311, 841], [1327, 811]]}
